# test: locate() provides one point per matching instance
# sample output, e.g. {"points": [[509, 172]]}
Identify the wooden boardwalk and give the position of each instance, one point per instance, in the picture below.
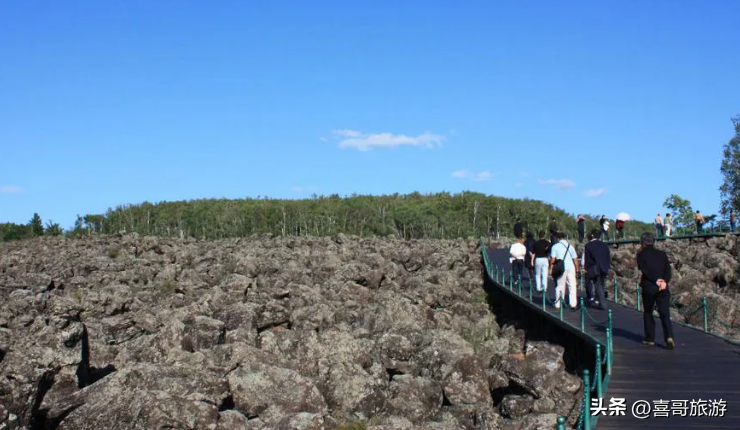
{"points": [[702, 368]]}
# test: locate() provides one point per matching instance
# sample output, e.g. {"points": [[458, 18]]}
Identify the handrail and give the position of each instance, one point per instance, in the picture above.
{"points": [[636, 239], [592, 388]]}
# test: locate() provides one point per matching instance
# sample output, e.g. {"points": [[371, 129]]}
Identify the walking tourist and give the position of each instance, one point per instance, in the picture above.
{"points": [[656, 275], [517, 253], [528, 260], [518, 230], [541, 262], [563, 251], [553, 231], [581, 224], [604, 223], [597, 262], [668, 223], [699, 222], [733, 219], [620, 228], [658, 226]]}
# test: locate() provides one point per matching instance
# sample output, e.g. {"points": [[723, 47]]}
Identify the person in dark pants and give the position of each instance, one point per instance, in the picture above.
{"points": [[597, 260], [733, 220], [581, 224], [699, 222], [541, 262], [656, 275], [553, 231], [518, 230], [528, 260], [620, 228], [517, 253]]}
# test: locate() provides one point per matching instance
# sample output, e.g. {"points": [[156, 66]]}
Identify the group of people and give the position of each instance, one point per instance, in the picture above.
{"points": [[558, 259], [664, 228], [541, 259]]}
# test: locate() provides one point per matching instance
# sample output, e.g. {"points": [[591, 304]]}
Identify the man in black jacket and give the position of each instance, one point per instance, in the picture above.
{"points": [[581, 224], [518, 230], [553, 231], [597, 260], [656, 274]]}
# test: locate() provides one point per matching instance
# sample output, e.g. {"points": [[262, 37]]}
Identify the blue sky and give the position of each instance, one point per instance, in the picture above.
{"points": [[597, 107]]}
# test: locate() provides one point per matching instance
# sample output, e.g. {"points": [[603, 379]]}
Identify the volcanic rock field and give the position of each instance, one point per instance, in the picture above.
{"points": [[129, 332]]}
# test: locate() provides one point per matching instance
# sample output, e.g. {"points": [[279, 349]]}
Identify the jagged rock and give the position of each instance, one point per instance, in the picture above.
{"points": [[513, 406], [416, 399]]}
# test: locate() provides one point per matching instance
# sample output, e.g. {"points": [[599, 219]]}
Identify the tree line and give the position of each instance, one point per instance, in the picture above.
{"points": [[409, 216]]}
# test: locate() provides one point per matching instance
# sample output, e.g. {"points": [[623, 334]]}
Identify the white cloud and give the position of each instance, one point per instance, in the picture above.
{"points": [[10, 189], [323, 139], [560, 184], [518, 185], [475, 176], [368, 141], [483, 176], [596, 192], [524, 174]]}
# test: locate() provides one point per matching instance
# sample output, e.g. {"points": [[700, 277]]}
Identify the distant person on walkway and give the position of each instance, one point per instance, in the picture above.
{"points": [[517, 252], [733, 220], [563, 251], [589, 286], [658, 226], [604, 224], [656, 275], [668, 224], [581, 224], [529, 245], [597, 263], [518, 230], [553, 231], [620, 229], [699, 222], [541, 262]]}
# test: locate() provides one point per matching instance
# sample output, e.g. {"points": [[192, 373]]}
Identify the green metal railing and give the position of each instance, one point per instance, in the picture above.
{"points": [[592, 387], [676, 235]]}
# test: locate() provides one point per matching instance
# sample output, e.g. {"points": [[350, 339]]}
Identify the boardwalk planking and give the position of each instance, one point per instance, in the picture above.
{"points": [[701, 367]]}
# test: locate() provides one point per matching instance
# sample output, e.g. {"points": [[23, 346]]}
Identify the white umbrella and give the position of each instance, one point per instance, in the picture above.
{"points": [[623, 216]]}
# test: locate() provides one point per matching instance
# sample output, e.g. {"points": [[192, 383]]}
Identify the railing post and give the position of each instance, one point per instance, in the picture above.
{"points": [[608, 351], [616, 290], [544, 297], [530, 288], [610, 335], [519, 284], [561, 423], [587, 400], [583, 285], [638, 297], [597, 370], [562, 305], [583, 315], [704, 305], [495, 273]]}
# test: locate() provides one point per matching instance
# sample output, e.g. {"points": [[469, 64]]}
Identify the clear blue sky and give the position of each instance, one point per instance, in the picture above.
{"points": [[597, 107]]}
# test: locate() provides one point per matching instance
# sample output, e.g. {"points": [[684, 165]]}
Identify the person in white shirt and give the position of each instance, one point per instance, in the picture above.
{"points": [[517, 252], [562, 250]]}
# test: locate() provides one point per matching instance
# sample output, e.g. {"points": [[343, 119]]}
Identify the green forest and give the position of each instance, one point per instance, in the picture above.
{"points": [[410, 216]]}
